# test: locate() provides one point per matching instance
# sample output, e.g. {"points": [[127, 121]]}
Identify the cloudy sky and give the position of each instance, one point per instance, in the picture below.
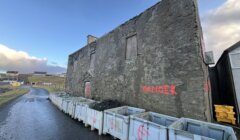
{"points": [[221, 26], [38, 35]]}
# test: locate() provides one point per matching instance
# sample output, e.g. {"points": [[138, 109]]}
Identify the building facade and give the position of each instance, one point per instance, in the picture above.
{"points": [[12, 75], [153, 61], [39, 73]]}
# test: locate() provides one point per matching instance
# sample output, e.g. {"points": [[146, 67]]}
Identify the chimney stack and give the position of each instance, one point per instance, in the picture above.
{"points": [[91, 39]]}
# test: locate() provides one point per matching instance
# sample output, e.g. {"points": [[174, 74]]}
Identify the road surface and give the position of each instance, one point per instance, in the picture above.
{"points": [[33, 117]]}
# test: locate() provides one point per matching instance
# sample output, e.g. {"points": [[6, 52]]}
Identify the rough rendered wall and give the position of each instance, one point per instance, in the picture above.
{"points": [[167, 76]]}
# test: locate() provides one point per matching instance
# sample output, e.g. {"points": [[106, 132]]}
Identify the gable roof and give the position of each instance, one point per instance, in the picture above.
{"points": [[233, 47]]}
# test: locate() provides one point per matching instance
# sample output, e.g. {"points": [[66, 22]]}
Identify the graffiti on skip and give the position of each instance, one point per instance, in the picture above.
{"points": [[142, 132], [160, 89], [94, 118], [112, 125]]}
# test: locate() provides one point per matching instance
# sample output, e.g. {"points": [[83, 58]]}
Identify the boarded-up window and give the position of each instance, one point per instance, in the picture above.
{"points": [[131, 49], [74, 66], [92, 59], [235, 60], [87, 89], [75, 59]]}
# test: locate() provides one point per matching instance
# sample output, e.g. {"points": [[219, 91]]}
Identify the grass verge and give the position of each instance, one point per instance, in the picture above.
{"points": [[10, 95], [49, 88], [55, 80]]}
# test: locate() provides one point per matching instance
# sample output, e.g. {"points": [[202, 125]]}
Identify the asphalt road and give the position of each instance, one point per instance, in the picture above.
{"points": [[33, 117]]}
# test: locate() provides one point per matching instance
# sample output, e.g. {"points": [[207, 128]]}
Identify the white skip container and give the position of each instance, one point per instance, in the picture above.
{"points": [[81, 110], [94, 119], [57, 98], [72, 105], [59, 101], [117, 120], [53, 98], [189, 129], [149, 126], [65, 103]]}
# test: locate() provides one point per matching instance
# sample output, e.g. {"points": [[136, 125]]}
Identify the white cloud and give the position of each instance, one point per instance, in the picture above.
{"points": [[11, 59], [221, 27]]}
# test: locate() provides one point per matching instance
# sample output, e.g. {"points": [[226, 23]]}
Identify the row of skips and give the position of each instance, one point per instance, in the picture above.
{"points": [[130, 123]]}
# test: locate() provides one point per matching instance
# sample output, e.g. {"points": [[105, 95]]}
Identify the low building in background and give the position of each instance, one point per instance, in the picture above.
{"points": [[39, 73], [2, 75], [62, 75], [12, 75]]}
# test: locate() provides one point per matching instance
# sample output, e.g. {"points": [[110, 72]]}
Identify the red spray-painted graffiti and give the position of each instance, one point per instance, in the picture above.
{"points": [[161, 89], [94, 118], [142, 132], [207, 86], [112, 125]]}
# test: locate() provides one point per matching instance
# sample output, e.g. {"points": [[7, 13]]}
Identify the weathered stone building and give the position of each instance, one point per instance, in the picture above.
{"points": [[153, 61]]}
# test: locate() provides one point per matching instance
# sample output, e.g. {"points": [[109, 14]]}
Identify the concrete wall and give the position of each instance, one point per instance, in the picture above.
{"points": [[167, 75]]}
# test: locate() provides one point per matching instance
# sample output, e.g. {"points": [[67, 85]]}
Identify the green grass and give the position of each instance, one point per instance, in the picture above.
{"points": [[50, 88], [47, 79], [10, 95], [58, 83], [6, 86]]}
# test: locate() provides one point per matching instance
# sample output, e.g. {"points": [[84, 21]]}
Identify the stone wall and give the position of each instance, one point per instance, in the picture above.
{"points": [[153, 61]]}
